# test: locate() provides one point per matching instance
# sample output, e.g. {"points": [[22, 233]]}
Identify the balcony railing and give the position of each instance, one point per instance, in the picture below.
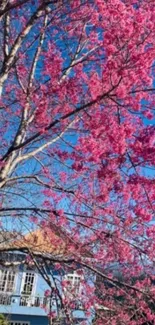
{"points": [[34, 301], [26, 301], [5, 299]]}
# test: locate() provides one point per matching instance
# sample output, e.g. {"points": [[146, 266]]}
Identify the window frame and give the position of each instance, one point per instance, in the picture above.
{"points": [[23, 283], [6, 281], [74, 284]]}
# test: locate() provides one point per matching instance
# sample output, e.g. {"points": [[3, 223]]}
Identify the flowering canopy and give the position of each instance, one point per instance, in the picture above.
{"points": [[77, 141]]}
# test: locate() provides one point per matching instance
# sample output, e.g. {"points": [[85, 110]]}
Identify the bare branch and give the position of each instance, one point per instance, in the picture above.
{"points": [[5, 7], [6, 35], [36, 56]]}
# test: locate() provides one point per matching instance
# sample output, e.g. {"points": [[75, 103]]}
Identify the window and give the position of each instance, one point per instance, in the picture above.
{"points": [[19, 323], [28, 283], [5, 299], [7, 280], [74, 282]]}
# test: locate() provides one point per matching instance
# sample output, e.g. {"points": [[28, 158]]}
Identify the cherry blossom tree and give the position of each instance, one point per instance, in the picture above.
{"points": [[77, 142]]}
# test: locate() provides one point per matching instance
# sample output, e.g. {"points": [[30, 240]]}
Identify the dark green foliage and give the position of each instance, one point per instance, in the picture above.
{"points": [[3, 320]]}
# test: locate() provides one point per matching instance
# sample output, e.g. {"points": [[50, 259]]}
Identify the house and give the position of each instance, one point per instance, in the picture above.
{"points": [[24, 290]]}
